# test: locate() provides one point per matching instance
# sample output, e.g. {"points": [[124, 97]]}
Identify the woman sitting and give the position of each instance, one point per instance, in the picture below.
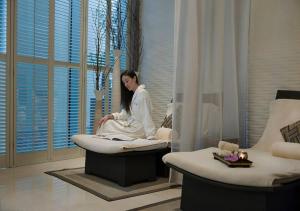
{"points": [[135, 120]]}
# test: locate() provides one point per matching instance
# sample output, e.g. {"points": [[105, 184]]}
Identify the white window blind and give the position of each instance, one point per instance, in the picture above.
{"points": [[65, 106], [3, 24], [32, 107], [32, 79], [66, 80], [2, 108], [33, 28], [67, 31], [90, 102], [3, 79]]}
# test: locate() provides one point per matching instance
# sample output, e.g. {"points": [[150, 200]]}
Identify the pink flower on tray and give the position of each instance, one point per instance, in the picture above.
{"points": [[231, 158]]}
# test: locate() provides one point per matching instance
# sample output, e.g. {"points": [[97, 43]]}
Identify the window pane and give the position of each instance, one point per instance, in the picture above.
{"points": [[119, 29], [3, 24], [33, 28], [91, 99], [110, 93], [66, 106], [67, 30], [2, 108], [96, 26], [32, 107], [90, 102]]}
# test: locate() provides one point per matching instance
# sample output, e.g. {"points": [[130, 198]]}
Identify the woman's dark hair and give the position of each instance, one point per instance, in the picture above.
{"points": [[126, 95]]}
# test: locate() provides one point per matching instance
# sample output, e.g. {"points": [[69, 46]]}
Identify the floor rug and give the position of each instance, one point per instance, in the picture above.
{"points": [[108, 190]]}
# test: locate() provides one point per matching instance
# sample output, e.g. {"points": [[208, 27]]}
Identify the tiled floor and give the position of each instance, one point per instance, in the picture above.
{"points": [[171, 204], [29, 188]]}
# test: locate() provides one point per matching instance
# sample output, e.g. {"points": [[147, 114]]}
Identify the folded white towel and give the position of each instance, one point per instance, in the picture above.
{"points": [[223, 145], [224, 152], [164, 133], [286, 150], [116, 137]]}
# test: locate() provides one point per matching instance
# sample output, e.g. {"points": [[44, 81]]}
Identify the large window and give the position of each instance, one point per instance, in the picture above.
{"points": [[47, 76], [51, 79]]}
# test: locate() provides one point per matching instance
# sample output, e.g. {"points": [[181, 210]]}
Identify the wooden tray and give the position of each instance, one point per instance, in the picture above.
{"points": [[239, 163]]}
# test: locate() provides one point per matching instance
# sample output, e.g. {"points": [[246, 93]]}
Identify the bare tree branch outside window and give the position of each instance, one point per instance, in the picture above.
{"points": [[100, 31]]}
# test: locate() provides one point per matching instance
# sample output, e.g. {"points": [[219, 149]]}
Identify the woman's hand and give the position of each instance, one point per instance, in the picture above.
{"points": [[105, 118]]}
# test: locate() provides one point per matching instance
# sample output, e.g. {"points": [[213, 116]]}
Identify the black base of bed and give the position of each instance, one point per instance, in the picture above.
{"points": [[199, 193], [127, 168]]}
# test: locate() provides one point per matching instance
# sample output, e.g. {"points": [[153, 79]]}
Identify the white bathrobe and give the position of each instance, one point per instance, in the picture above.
{"points": [[137, 124]]}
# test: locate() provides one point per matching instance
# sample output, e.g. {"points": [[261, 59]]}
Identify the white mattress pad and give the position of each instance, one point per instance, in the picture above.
{"points": [[266, 170], [101, 145]]}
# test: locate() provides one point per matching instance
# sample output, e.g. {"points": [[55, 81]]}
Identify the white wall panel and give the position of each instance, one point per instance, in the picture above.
{"points": [[157, 66], [274, 57]]}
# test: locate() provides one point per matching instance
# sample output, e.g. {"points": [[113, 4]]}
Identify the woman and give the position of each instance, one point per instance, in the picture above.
{"points": [[135, 119]]}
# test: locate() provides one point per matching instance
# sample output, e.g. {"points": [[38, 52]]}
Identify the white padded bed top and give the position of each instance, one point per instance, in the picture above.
{"points": [[101, 145], [266, 170]]}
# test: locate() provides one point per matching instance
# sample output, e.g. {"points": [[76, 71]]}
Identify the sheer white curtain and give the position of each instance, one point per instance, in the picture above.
{"points": [[211, 45]]}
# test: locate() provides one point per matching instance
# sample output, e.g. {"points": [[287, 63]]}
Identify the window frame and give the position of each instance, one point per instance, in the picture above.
{"points": [[12, 158], [50, 154]]}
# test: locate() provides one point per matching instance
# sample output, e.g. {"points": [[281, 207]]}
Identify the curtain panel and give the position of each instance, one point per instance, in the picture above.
{"points": [[211, 45]]}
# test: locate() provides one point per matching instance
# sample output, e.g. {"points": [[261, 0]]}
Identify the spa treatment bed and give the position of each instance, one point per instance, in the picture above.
{"points": [[272, 183], [125, 162]]}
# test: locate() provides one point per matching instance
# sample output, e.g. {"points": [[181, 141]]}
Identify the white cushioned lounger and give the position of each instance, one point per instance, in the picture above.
{"points": [[266, 170], [98, 144], [270, 184]]}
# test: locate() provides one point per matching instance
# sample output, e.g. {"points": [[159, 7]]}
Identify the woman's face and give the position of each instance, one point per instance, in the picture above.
{"points": [[129, 83]]}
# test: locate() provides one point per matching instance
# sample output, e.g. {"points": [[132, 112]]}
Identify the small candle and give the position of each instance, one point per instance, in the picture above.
{"points": [[243, 155]]}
